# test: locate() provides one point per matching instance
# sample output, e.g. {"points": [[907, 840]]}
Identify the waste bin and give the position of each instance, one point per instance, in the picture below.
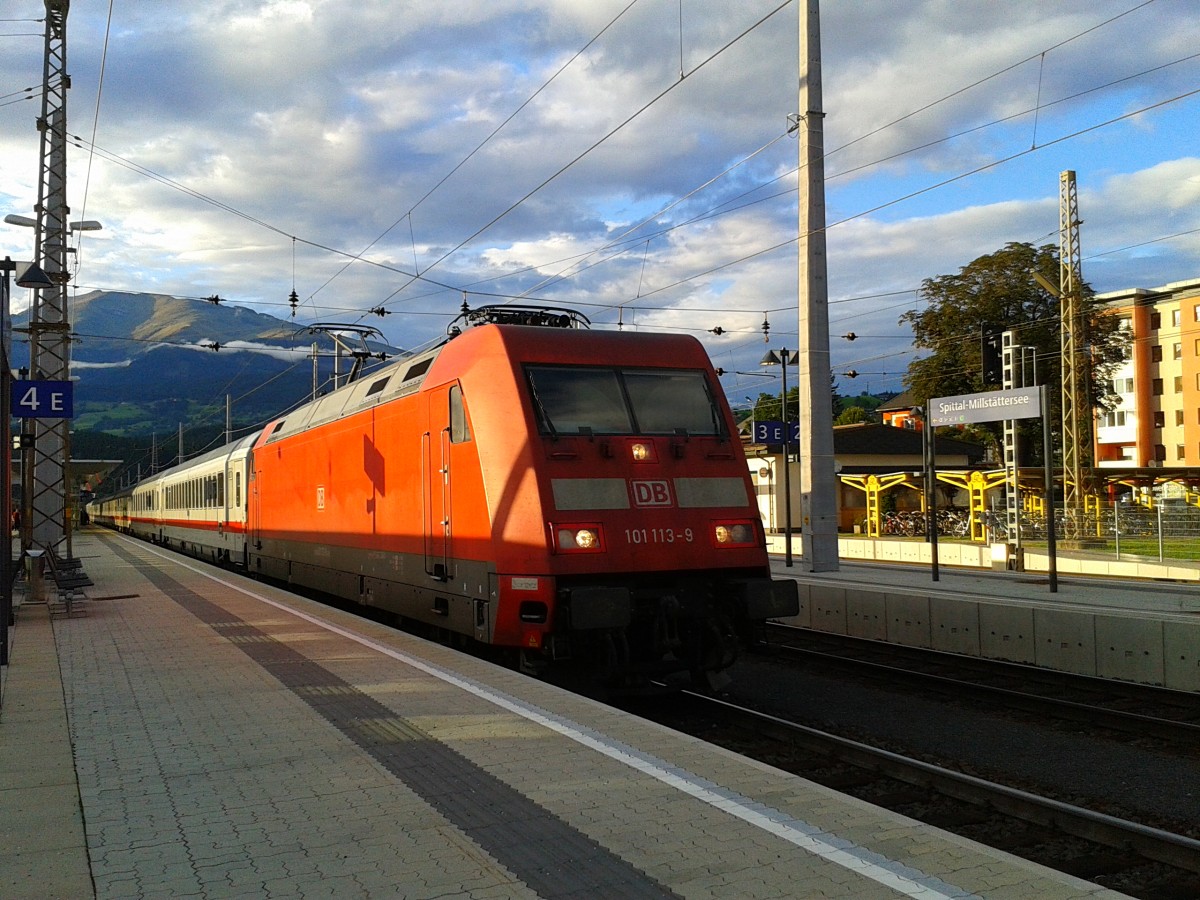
{"points": [[34, 576]]}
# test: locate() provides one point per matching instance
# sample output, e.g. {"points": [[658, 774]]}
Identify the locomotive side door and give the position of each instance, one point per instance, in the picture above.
{"points": [[435, 483]]}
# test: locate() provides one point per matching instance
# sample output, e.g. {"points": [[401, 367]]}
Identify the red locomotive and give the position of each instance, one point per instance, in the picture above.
{"points": [[560, 493]]}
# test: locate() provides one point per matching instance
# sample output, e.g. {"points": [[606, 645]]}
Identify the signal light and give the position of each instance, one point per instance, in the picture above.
{"points": [[643, 451]]}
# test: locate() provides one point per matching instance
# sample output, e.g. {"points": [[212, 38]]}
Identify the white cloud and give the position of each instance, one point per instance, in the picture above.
{"points": [[330, 120]]}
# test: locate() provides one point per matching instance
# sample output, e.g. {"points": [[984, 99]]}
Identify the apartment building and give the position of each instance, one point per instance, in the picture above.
{"points": [[1157, 423]]}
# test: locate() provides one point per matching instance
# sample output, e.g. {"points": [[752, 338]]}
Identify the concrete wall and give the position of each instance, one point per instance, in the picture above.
{"points": [[1151, 648]]}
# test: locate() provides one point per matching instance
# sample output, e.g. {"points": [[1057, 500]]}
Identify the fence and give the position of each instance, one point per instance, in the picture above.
{"points": [[1169, 530]]}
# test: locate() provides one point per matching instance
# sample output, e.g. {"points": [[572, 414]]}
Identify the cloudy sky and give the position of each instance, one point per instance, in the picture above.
{"points": [[629, 159]]}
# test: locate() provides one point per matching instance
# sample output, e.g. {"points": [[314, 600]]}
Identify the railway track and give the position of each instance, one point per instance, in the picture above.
{"points": [[1143, 712], [1133, 858]]}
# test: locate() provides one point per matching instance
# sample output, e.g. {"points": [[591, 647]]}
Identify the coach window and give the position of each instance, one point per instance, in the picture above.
{"points": [[237, 489], [460, 431]]}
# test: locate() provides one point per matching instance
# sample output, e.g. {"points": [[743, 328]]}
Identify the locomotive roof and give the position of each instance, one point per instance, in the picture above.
{"points": [[396, 379], [405, 376]]}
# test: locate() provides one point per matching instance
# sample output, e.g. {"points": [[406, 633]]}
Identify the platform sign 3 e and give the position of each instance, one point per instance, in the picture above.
{"points": [[42, 399]]}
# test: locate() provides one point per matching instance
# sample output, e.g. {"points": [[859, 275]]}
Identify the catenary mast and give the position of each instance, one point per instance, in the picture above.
{"points": [[1074, 375], [49, 337], [818, 502]]}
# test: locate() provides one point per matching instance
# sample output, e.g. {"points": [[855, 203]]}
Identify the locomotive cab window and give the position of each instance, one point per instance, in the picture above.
{"points": [[460, 431], [591, 400]]}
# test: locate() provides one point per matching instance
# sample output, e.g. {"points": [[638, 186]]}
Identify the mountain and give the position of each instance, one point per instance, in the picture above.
{"points": [[144, 364]]}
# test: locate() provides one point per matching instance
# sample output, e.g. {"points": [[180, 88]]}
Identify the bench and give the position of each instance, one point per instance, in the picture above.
{"points": [[68, 569], [69, 580]]}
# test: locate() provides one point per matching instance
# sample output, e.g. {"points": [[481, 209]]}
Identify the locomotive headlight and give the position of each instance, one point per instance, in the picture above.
{"points": [[641, 452], [733, 534], [578, 538]]}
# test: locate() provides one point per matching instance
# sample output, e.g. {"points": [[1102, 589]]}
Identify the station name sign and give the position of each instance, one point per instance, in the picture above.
{"points": [[989, 406]]}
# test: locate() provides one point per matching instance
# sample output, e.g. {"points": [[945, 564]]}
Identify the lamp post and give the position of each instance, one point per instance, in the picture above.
{"points": [[929, 469], [785, 358], [30, 276]]}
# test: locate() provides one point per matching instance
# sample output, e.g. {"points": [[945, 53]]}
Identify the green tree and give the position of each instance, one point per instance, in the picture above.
{"points": [[995, 293], [767, 407], [851, 415]]}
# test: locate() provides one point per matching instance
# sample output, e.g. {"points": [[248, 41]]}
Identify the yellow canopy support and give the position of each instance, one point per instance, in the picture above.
{"points": [[874, 486], [976, 484]]}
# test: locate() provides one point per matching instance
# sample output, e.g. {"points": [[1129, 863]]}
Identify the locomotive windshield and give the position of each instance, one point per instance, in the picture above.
{"points": [[590, 400]]}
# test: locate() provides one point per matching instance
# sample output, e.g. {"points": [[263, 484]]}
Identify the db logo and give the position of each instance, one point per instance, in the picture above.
{"points": [[651, 493]]}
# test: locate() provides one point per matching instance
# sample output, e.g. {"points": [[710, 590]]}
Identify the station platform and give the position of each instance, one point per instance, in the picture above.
{"points": [[1144, 630], [189, 732]]}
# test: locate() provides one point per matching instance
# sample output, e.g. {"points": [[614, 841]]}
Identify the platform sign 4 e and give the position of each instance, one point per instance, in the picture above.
{"points": [[42, 399]]}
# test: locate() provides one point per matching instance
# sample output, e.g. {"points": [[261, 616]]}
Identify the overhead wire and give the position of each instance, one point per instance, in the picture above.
{"points": [[95, 127], [609, 134], [478, 147], [864, 166], [352, 257], [987, 78]]}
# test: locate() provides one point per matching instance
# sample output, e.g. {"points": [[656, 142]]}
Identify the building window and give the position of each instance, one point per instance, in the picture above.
{"points": [[1156, 353], [1179, 452], [1155, 320], [1196, 312], [1177, 351], [1176, 319], [1156, 387], [1178, 383], [1179, 417], [1160, 452], [1160, 419]]}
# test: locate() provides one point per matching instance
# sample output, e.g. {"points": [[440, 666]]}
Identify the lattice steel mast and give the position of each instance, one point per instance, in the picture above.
{"points": [[49, 338], [1070, 286]]}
